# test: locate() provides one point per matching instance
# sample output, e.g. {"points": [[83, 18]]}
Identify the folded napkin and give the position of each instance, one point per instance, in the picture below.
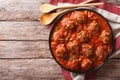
{"points": [[110, 12]]}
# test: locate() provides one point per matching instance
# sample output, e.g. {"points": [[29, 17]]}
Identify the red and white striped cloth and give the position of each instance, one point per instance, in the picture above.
{"points": [[110, 12]]}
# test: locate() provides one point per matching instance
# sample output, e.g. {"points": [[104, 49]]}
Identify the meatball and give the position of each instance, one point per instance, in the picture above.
{"points": [[61, 51], [59, 35], [101, 52], [105, 36], [87, 50], [93, 27], [55, 36], [86, 64], [73, 46], [73, 64], [66, 22], [82, 36], [79, 17]]}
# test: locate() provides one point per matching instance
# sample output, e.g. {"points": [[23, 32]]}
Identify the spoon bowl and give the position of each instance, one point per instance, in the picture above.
{"points": [[45, 8], [47, 18]]}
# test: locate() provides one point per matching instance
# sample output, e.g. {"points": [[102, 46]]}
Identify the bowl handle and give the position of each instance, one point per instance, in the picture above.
{"points": [[76, 76]]}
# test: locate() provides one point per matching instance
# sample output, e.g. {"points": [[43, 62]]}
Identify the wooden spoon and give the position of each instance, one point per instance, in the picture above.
{"points": [[45, 8], [47, 18]]}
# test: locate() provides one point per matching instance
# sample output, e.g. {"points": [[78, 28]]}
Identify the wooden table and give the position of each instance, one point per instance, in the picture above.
{"points": [[24, 51]]}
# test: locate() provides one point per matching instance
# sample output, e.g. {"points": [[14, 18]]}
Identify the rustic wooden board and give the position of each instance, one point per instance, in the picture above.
{"points": [[23, 31], [20, 10], [109, 71], [47, 69], [30, 69], [24, 49], [106, 78]]}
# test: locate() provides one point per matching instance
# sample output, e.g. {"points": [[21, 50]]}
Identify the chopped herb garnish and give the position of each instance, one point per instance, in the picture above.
{"points": [[82, 34], [58, 27], [71, 58], [73, 48]]}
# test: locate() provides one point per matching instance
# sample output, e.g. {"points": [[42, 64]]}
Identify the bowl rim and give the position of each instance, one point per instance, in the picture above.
{"points": [[112, 38]]}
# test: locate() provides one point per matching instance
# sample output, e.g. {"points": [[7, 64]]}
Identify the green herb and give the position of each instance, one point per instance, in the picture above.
{"points": [[68, 28], [71, 58], [73, 48], [78, 35], [62, 55], [58, 27], [82, 34], [85, 39], [89, 51]]}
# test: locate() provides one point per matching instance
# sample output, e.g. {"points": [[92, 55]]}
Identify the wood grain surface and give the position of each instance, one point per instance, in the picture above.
{"points": [[24, 49], [20, 10], [30, 30], [110, 70], [29, 69]]}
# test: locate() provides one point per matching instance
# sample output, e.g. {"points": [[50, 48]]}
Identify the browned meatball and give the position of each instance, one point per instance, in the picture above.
{"points": [[86, 64], [82, 36], [59, 35], [79, 17], [105, 36], [66, 22], [93, 27], [87, 49], [101, 52], [73, 46], [61, 51], [73, 64], [55, 36]]}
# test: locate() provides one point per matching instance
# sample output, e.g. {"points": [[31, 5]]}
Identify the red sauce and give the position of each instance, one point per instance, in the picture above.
{"points": [[81, 40]]}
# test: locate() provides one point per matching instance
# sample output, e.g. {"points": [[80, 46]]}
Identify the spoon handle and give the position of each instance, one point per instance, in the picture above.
{"points": [[80, 5], [87, 1]]}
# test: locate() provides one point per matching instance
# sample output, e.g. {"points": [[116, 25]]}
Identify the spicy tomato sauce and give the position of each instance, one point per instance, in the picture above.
{"points": [[81, 40]]}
